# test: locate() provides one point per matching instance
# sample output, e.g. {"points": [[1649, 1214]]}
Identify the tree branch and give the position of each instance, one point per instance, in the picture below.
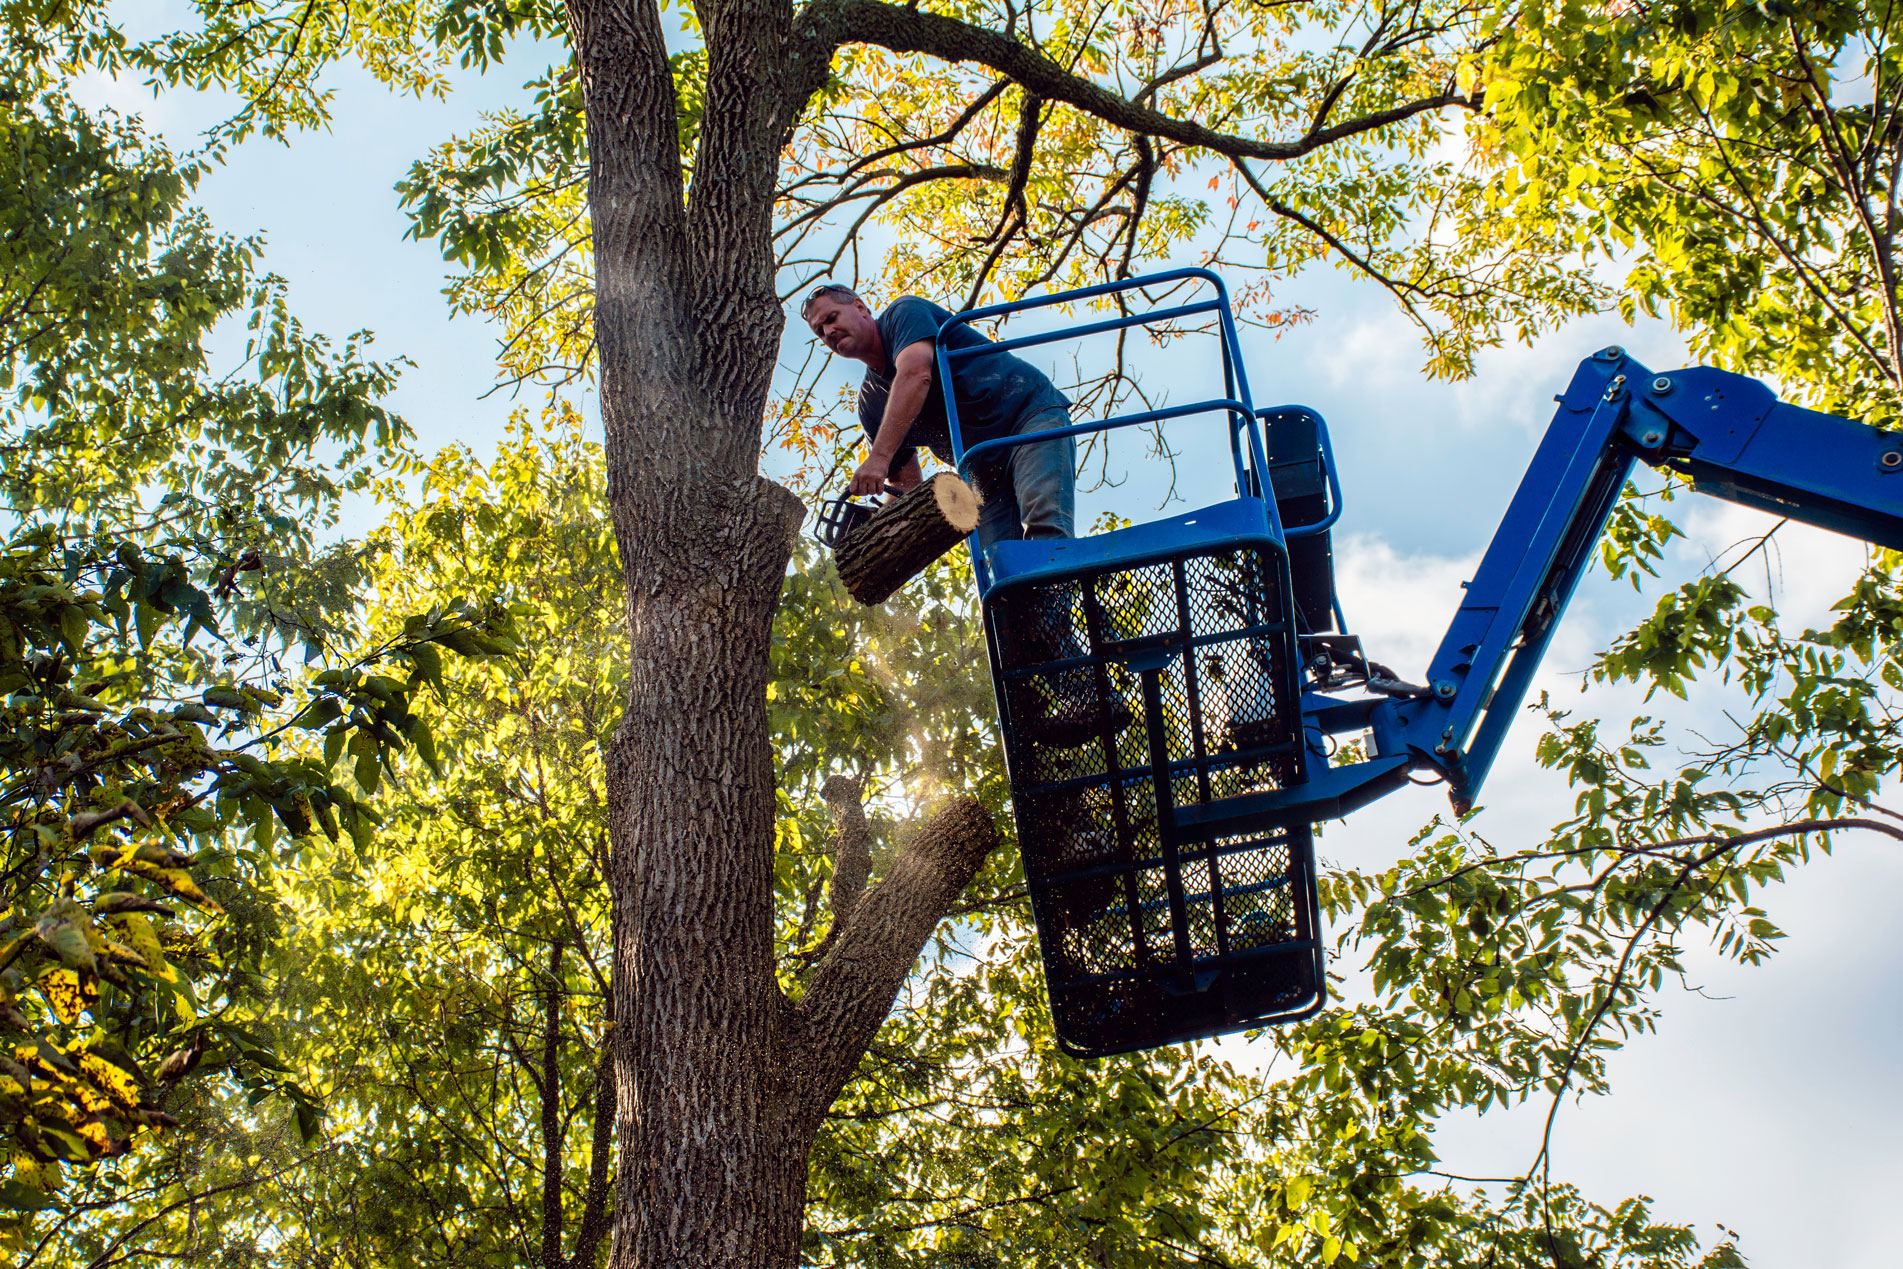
{"points": [[852, 844], [596, 1215], [825, 25], [1824, 119], [897, 148], [1030, 112], [1661, 850], [633, 135], [550, 1087], [1397, 287], [884, 193], [1759, 219], [854, 986], [1145, 171]]}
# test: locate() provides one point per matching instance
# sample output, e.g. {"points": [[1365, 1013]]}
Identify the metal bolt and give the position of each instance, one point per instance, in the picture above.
{"points": [[1661, 385], [1614, 388], [1892, 459], [1651, 439], [1444, 688], [1612, 352]]}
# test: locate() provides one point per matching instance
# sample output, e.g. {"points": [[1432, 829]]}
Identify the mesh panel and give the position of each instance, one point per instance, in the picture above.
{"points": [[1144, 945]]}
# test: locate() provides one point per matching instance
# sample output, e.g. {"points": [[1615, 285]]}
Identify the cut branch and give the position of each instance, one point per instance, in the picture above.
{"points": [[905, 535]]}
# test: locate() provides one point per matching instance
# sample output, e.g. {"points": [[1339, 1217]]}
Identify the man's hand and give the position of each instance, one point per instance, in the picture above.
{"points": [[871, 476]]}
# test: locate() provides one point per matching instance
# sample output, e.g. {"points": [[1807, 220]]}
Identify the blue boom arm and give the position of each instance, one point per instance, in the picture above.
{"points": [[1729, 434]]}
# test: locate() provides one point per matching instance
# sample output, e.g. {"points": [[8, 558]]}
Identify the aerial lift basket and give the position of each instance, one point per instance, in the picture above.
{"points": [[1143, 675], [1177, 672]]}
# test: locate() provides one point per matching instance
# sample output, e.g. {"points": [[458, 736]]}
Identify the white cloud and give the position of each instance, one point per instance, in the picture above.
{"points": [[95, 89]]}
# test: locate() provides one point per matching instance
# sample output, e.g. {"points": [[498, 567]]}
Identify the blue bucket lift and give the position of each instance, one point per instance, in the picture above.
{"points": [[1167, 691], [1144, 676]]}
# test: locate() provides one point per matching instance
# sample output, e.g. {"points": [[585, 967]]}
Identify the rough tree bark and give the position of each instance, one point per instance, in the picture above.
{"points": [[722, 1080], [852, 844]]}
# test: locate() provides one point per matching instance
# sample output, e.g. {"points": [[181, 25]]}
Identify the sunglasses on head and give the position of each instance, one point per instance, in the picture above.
{"points": [[826, 288]]}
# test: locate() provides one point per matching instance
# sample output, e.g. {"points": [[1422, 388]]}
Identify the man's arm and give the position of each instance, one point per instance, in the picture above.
{"points": [[911, 383]]}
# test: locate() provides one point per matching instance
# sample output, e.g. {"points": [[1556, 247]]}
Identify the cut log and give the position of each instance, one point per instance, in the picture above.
{"points": [[904, 535]]}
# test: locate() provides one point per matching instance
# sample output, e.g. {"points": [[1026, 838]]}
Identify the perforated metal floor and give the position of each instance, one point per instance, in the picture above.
{"points": [[1177, 674]]}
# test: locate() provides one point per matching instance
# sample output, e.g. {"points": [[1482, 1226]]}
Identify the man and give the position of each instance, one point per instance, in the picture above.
{"points": [[1029, 491]]}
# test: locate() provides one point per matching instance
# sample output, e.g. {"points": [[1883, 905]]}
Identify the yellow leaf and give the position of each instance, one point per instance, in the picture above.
{"points": [[141, 938], [12, 949], [40, 1174], [67, 992], [90, 1100], [112, 1079], [120, 952], [96, 1136], [177, 880]]}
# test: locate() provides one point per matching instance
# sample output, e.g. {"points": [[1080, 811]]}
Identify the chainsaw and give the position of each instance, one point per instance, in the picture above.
{"points": [[839, 517]]}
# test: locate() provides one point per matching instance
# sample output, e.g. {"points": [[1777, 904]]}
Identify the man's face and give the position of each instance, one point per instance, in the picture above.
{"points": [[846, 327]]}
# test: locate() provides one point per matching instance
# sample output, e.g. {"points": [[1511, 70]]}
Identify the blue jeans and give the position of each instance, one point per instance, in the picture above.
{"points": [[1035, 495]]}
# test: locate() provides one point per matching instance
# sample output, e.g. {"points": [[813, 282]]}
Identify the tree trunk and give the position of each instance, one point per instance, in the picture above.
{"points": [[905, 535], [690, 784], [706, 1176], [722, 1082]]}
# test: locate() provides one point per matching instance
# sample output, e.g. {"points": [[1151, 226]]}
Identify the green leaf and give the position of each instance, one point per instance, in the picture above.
{"points": [[368, 770], [67, 937], [72, 626]]}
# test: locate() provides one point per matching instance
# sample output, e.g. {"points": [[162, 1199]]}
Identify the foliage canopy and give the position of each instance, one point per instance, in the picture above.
{"points": [[420, 948]]}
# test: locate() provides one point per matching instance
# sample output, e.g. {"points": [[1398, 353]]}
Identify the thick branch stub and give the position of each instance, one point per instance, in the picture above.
{"points": [[854, 986], [852, 843]]}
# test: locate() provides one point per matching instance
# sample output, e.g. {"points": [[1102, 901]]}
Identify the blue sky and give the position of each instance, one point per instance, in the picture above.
{"points": [[1770, 1101]]}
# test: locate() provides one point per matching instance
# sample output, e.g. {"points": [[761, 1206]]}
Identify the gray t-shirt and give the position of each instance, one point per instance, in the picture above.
{"points": [[995, 393]]}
